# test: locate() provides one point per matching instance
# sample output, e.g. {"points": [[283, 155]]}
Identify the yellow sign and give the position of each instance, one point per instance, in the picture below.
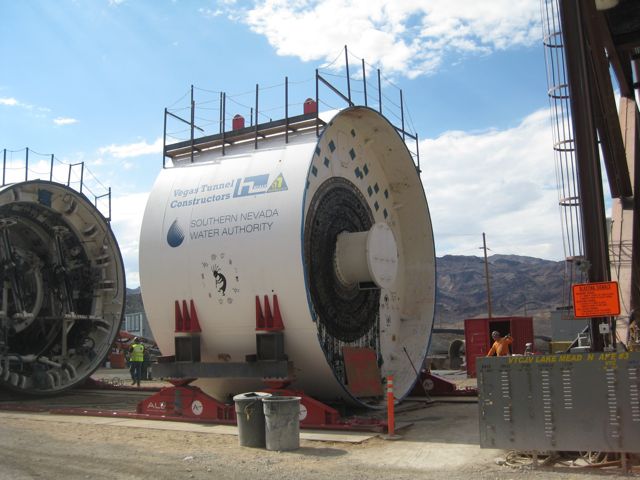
{"points": [[597, 299]]}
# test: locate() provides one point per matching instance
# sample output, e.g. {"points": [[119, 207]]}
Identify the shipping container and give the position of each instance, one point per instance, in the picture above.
{"points": [[477, 335]]}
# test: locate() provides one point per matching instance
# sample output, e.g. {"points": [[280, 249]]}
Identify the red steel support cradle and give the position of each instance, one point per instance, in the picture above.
{"points": [[189, 403], [186, 402], [435, 385]]}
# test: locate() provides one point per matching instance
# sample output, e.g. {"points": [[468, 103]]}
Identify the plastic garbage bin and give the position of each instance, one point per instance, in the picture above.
{"points": [[250, 418], [282, 422]]}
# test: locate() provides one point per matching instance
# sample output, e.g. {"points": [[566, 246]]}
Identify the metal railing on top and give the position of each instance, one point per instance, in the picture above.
{"points": [[22, 168], [191, 126]]}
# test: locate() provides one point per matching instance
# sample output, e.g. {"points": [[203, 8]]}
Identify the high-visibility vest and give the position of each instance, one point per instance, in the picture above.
{"points": [[137, 352], [500, 347]]}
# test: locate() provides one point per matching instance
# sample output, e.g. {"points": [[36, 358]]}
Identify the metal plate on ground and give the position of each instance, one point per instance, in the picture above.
{"points": [[574, 402]]}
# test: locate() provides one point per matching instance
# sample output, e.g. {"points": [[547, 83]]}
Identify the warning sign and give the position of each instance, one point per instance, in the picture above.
{"points": [[278, 185], [598, 299]]}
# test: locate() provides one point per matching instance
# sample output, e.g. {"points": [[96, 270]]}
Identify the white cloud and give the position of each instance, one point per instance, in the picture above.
{"points": [[133, 149], [38, 112], [408, 37], [64, 121], [126, 214], [499, 182], [210, 13], [10, 102]]}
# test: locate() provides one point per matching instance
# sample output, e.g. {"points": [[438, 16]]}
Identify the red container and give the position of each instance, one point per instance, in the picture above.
{"points": [[117, 360], [238, 122], [478, 341], [310, 106]]}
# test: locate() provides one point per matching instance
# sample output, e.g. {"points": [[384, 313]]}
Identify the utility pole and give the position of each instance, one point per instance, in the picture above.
{"points": [[486, 273]]}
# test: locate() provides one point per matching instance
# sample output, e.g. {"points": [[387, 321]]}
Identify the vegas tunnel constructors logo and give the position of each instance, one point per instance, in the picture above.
{"points": [[205, 194]]}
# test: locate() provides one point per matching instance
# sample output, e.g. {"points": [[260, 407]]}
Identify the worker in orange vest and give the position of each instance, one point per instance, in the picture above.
{"points": [[500, 345]]}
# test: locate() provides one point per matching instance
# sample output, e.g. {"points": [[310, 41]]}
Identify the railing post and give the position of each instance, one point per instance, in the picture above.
{"points": [[69, 177], [286, 109], [224, 115], [81, 175], [51, 169], [346, 59], [418, 153], [4, 166], [379, 93], [193, 106], [364, 82], [402, 114], [26, 166], [109, 204], [317, 105], [220, 115], [256, 130], [164, 139]]}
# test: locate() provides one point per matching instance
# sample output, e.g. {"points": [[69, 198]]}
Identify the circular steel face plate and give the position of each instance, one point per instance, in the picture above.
{"points": [[62, 289], [346, 311]]}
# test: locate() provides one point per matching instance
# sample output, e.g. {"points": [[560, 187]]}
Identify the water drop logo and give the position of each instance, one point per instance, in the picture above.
{"points": [[175, 235]]}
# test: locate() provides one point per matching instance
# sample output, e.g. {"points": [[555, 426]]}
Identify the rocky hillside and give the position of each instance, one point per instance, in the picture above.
{"points": [[516, 282]]}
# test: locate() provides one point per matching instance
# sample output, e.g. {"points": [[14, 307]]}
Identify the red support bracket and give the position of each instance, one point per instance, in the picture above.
{"points": [[186, 402], [195, 323], [313, 413], [318, 415], [278, 324], [268, 317], [435, 385], [267, 321], [179, 319], [260, 321], [186, 318]]}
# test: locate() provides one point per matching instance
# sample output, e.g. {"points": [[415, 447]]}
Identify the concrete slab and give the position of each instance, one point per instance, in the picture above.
{"points": [[332, 436], [46, 417], [440, 434], [315, 435]]}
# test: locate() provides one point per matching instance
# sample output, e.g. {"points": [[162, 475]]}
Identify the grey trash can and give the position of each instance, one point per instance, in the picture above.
{"points": [[250, 418], [282, 421]]}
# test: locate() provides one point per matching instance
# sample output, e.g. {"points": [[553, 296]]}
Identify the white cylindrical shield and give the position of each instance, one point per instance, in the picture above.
{"points": [[267, 221]]}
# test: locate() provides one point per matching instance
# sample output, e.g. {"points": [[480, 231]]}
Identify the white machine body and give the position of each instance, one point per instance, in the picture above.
{"points": [[311, 221]]}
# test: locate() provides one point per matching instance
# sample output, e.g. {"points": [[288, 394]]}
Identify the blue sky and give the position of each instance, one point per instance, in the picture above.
{"points": [[88, 81]]}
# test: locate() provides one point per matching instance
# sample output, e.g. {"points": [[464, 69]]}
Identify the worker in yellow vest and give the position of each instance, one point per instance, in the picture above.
{"points": [[136, 357]]}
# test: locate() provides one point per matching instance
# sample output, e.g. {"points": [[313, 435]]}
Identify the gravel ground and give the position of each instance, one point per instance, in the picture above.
{"points": [[441, 444]]}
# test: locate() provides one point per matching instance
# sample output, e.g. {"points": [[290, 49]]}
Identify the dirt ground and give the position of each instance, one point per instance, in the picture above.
{"points": [[442, 443]]}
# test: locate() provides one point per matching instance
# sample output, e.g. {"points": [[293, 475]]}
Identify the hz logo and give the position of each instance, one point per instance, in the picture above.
{"points": [[258, 184]]}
